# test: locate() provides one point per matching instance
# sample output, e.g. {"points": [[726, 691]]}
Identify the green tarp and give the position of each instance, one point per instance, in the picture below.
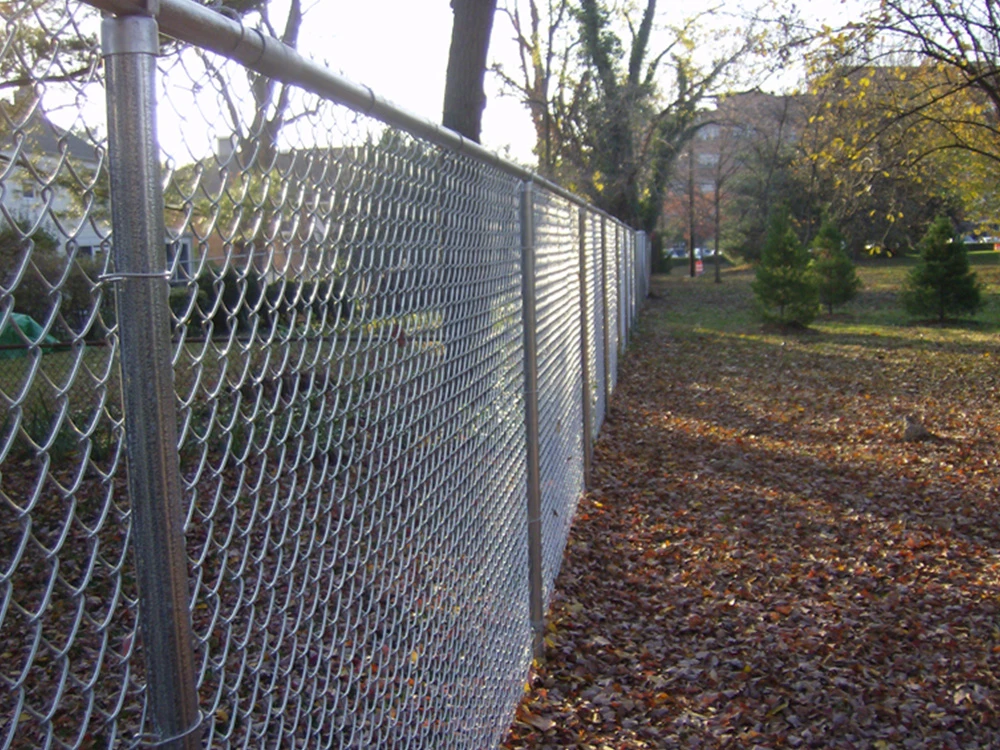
{"points": [[30, 330]]}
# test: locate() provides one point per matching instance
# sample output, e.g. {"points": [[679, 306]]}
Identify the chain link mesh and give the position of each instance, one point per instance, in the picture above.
{"points": [[560, 384], [349, 367], [639, 272], [594, 279], [626, 264], [612, 297], [628, 277], [69, 667], [348, 361]]}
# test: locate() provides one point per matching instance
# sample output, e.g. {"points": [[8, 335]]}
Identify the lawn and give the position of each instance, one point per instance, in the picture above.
{"points": [[762, 559]]}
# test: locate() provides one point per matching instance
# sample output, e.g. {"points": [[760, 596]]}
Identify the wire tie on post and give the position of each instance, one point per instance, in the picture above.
{"points": [[164, 741], [263, 46], [126, 275]]}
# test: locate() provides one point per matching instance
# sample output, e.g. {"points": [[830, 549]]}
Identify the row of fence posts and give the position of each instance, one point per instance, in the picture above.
{"points": [[130, 46]]}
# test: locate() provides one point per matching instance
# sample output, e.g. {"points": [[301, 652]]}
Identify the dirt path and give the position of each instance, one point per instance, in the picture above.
{"points": [[763, 561]]}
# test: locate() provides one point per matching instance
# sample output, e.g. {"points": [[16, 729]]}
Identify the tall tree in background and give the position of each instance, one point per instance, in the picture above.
{"points": [[256, 141], [961, 38], [768, 175], [544, 47], [624, 143], [881, 173], [911, 124], [464, 98], [721, 154], [605, 124]]}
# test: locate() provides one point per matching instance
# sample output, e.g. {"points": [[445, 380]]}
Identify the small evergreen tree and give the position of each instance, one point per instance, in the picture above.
{"points": [[836, 279], [941, 283], [785, 286]]}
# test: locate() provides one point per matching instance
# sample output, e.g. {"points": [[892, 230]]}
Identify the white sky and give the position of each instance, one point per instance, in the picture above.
{"points": [[399, 48]]}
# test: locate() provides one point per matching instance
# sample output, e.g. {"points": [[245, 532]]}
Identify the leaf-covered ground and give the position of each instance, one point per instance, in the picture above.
{"points": [[763, 561]]}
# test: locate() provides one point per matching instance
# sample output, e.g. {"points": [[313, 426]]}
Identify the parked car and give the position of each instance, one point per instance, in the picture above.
{"points": [[682, 252], [699, 252]]}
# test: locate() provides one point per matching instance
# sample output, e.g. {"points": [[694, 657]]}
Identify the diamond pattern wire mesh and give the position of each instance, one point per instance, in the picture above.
{"points": [[560, 384], [628, 279], [631, 256], [625, 263], [594, 279], [612, 290], [346, 319], [353, 443], [69, 668], [643, 268]]}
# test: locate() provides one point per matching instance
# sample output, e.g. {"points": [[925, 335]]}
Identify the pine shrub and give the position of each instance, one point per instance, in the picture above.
{"points": [[941, 283], [785, 287], [836, 278]]}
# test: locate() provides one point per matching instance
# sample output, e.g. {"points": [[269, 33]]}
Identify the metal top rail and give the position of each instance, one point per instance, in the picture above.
{"points": [[208, 28]]}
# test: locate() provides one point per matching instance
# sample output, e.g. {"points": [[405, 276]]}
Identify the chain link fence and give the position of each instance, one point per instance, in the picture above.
{"points": [[276, 395], [595, 316], [560, 376]]}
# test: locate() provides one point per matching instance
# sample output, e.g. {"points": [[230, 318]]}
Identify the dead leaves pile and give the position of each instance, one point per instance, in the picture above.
{"points": [[764, 562]]}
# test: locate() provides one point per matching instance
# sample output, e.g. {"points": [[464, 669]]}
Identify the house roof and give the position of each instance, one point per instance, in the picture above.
{"points": [[24, 119]]}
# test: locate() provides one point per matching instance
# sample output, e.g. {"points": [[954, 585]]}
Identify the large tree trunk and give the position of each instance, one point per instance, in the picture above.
{"points": [[464, 98]]}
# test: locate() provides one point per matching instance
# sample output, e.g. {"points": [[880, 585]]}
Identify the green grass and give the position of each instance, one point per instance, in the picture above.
{"points": [[701, 304], [871, 331], [65, 398]]}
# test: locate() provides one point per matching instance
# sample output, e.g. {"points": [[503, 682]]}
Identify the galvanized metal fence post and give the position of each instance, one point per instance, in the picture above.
{"points": [[530, 318], [130, 45], [588, 418]]}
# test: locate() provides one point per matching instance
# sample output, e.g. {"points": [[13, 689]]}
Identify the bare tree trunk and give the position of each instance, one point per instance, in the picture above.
{"points": [[464, 98], [718, 226], [462, 240], [691, 239]]}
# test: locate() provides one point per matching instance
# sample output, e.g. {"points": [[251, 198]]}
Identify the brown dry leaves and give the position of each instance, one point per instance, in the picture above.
{"points": [[764, 562]]}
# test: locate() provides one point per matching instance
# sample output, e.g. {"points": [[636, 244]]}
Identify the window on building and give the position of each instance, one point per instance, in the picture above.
{"points": [[709, 132]]}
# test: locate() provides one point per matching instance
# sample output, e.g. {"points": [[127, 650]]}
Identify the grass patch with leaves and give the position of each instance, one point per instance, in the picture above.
{"points": [[762, 559]]}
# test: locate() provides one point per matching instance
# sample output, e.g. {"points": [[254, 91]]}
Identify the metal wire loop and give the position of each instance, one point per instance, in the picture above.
{"points": [[165, 741], [116, 276]]}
